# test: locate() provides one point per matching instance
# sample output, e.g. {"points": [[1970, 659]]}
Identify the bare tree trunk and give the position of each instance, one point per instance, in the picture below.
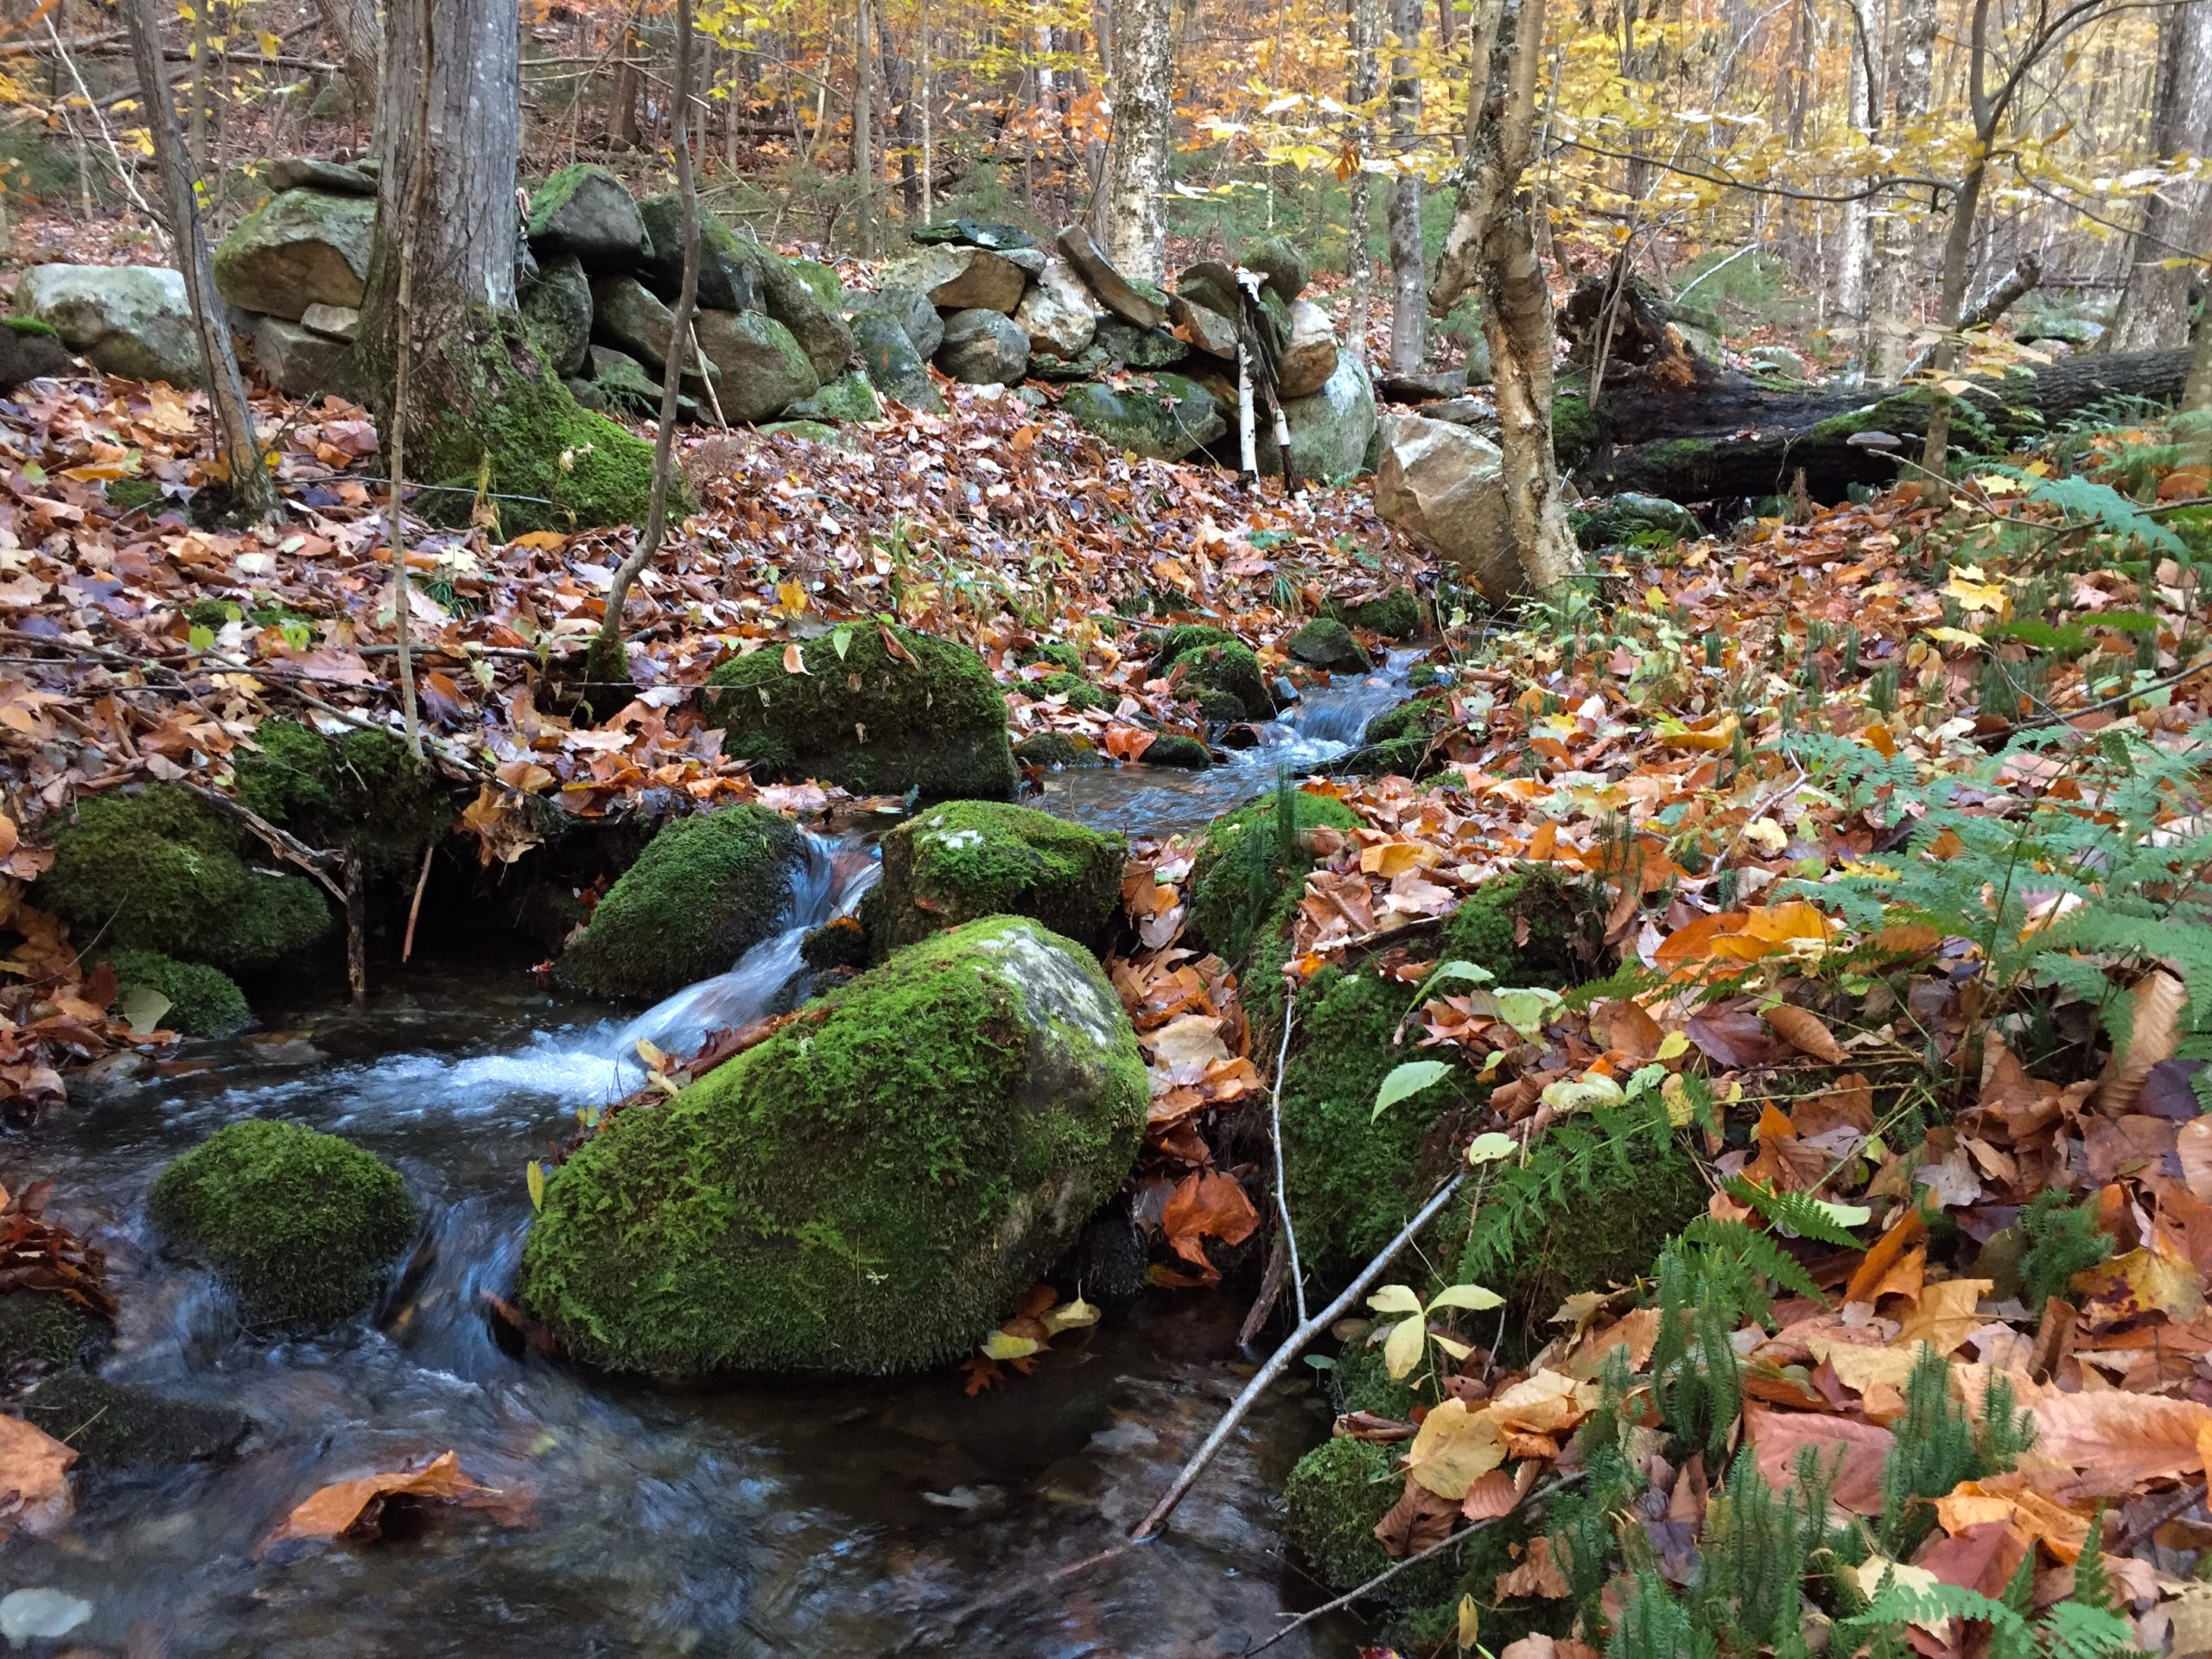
{"points": [[899, 91], [1101, 158], [1366, 31], [2196, 394], [1855, 257], [1889, 301], [1408, 263], [622, 114], [354, 28], [1136, 226], [2177, 220], [863, 126], [252, 492]]}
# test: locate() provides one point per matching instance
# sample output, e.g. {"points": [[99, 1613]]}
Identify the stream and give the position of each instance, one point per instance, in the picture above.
{"points": [[846, 1518]]}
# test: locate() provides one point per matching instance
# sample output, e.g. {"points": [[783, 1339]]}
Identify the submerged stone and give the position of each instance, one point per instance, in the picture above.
{"points": [[119, 1425], [869, 1191], [965, 860]]}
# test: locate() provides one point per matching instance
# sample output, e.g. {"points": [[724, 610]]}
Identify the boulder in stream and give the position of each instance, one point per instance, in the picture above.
{"points": [[1215, 669], [964, 860], [301, 1225], [1328, 644], [870, 1190], [705, 891], [203, 1001]]}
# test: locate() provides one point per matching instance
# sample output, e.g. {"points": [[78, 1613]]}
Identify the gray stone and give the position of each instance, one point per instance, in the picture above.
{"points": [[624, 315], [1139, 348], [760, 369], [1440, 483], [1030, 261], [1165, 417], [1776, 360], [41, 1615], [975, 233], [1281, 265], [297, 360], [128, 319], [28, 351], [1115, 291], [1057, 312], [819, 330], [848, 398], [984, 349], [822, 282], [912, 310], [1203, 326], [1462, 411], [299, 248], [729, 263], [894, 366], [1331, 428], [338, 321], [584, 210], [556, 314], [306, 173], [622, 385], [1311, 358], [1212, 285], [960, 278], [1632, 517]]}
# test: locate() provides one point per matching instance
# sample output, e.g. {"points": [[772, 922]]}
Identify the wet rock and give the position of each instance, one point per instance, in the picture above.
{"points": [[1166, 417], [1439, 482], [729, 261], [1204, 659], [585, 210], [1326, 645], [337, 321], [302, 362], [1311, 357], [850, 397], [911, 309], [41, 1614], [867, 1192], [556, 314], [919, 713], [309, 173], [1053, 749], [1058, 312], [28, 349], [129, 319], [1175, 749], [965, 860], [893, 365], [819, 329], [117, 1426], [41, 1328], [706, 890], [960, 278], [760, 369], [984, 349], [202, 1002], [299, 248]]}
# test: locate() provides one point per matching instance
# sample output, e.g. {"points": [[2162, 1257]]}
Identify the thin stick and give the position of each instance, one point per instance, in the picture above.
{"points": [[357, 929], [123, 171], [1275, 1125], [404, 344], [1280, 1361], [407, 945]]}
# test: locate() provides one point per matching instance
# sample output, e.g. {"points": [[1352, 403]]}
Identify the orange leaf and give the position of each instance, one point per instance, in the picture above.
{"points": [[355, 1507], [1803, 1030], [794, 658], [1886, 1252], [1208, 1203], [34, 1489]]}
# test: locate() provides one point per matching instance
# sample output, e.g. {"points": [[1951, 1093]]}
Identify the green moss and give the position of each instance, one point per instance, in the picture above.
{"points": [[1335, 1495], [1225, 666], [361, 791], [1057, 652], [1574, 430], [130, 494], [930, 719], [553, 195], [1397, 615], [1396, 741], [867, 1191], [1185, 637], [1079, 692], [204, 1001], [1326, 643], [1239, 872], [32, 326], [1642, 1209], [116, 1426], [211, 614], [302, 1225], [276, 917], [1174, 749], [47, 1329], [1521, 927], [1421, 676], [1360, 1382], [1052, 749], [964, 860], [704, 891]]}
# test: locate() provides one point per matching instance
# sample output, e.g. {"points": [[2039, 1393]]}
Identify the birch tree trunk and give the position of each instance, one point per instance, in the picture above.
{"points": [[1855, 255], [1893, 287], [1366, 28], [863, 128], [2153, 311], [1408, 272], [1136, 207]]}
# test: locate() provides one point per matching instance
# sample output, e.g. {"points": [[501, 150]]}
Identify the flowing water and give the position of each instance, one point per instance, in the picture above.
{"points": [[847, 1519]]}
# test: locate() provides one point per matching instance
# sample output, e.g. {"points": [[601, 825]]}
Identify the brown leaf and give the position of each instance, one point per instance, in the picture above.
{"points": [[1537, 1575], [2161, 1004], [1207, 1204], [1417, 1520], [1851, 1452], [355, 1507], [1803, 1030], [34, 1489]]}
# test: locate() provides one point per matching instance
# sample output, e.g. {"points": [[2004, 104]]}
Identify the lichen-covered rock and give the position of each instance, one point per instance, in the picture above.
{"points": [[892, 364], [1165, 417], [133, 321], [1332, 1502], [1638, 520], [760, 369], [301, 1225], [1282, 267], [1058, 312], [819, 329], [704, 891], [120, 1426], [1203, 661], [313, 172], [1325, 644], [850, 397], [626, 316], [966, 860], [1331, 431], [1239, 872], [867, 1192], [556, 314], [332, 321], [299, 248], [1439, 482], [984, 349], [956, 277], [1311, 357], [911, 308], [304, 363], [203, 1001], [925, 715], [730, 263], [359, 790], [822, 282], [155, 870], [974, 233], [585, 210]]}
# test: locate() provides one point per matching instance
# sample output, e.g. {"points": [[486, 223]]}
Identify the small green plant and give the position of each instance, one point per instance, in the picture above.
{"points": [[2062, 1240]]}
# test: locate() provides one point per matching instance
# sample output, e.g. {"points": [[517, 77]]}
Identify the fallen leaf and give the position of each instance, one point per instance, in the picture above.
{"points": [[34, 1485], [354, 1509], [1803, 1030]]}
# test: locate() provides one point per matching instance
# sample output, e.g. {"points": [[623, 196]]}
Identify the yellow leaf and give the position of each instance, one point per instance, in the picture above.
{"points": [[1977, 596], [272, 46], [1672, 1045], [1069, 1316], [1402, 1349], [1393, 858], [533, 1177], [1957, 636], [1470, 1623], [1001, 1344], [1395, 1299], [1455, 1448], [1945, 1316], [792, 596]]}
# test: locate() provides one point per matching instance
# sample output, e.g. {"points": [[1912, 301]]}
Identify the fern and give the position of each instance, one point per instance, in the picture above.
{"points": [[1738, 1263], [1801, 1212], [2088, 505], [1572, 1159]]}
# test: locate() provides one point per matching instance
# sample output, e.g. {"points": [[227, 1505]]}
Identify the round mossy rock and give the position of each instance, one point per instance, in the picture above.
{"points": [[302, 1225], [1331, 1501], [870, 1190], [1328, 644], [203, 1001], [359, 790], [704, 892], [1052, 749], [880, 711], [1239, 873], [1178, 750], [1397, 615], [966, 860], [1209, 661]]}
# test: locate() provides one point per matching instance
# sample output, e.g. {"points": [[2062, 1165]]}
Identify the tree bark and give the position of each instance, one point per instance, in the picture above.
{"points": [[2196, 393], [252, 492], [355, 32], [1855, 255], [1366, 29], [1137, 167], [898, 92], [1408, 264], [863, 124], [1891, 287], [2177, 220]]}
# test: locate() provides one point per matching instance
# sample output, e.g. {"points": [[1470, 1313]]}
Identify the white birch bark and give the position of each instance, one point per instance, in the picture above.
{"points": [[1136, 182]]}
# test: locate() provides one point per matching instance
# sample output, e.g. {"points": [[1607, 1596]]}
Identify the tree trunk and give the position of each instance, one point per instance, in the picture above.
{"points": [[2177, 220], [1855, 255], [622, 114], [2196, 393], [1891, 289], [354, 30], [1137, 169], [1366, 29], [863, 126], [253, 494], [481, 409], [1408, 266], [898, 92]]}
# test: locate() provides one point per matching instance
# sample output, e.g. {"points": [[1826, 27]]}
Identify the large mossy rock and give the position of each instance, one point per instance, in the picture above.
{"points": [[28, 350], [301, 1225], [359, 790], [870, 1190], [704, 891], [911, 309], [299, 248], [1217, 669], [760, 369], [155, 870], [965, 860], [1326, 644], [894, 368], [729, 263], [819, 328], [1165, 417], [625, 315], [203, 1001], [556, 314], [133, 321], [926, 717], [851, 397], [585, 210], [1242, 873], [1439, 482]]}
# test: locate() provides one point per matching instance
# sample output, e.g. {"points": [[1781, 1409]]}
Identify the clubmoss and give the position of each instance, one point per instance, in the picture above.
{"points": [[204, 1001], [302, 1225], [706, 891], [928, 718], [361, 791], [1335, 1495], [867, 1191], [965, 860], [1239, 873], [116, 1425], [49, 1330]]}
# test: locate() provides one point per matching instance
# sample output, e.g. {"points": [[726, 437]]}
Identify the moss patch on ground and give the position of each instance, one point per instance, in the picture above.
{"points": [[1079, 692], [966, 860], [116, 1425], [49, 1330], [869, 1190], [1335, 1495], [359, 789], [1642, 1208], [1239, 873], [704, 891], [925, 716], [204, 1001], [302, 1225]]}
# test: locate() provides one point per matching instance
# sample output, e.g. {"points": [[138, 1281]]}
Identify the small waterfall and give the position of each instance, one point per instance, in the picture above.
{"points": [[1339, 714]]}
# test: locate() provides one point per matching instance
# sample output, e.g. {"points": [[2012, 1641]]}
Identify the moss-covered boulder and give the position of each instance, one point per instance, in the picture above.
{"points": [[1178, 750], [1217, 669], [556, 314], [119, 1425], [1335, 1495], [1073, 690], [850, 397], [153, 869], [584, 210], [706, 891], [819, 328], [1165, 417], [1395, 615], [966, 860], [758, 369], [41, 1328], [893, 365], [299, 248], [729, 263], [1053, 749], [1325, 644], [870, 1190], [359, 790], [878, 718], [203, 1001], [1241, 873], [1645, 1202], [1396, 741], [301, 1225]]}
